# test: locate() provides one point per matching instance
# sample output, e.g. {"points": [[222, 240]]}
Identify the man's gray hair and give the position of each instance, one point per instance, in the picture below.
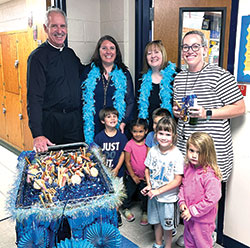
{"points": [[57, 10]]}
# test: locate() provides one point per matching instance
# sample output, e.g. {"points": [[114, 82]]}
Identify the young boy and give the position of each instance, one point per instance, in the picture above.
{"points": [[156, 116], [112, 143]]}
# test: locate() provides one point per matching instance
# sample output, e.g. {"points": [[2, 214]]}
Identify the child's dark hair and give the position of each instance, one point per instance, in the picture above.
{"points": [[160, 112], [138, 122], [106, 111], [167, 124]]}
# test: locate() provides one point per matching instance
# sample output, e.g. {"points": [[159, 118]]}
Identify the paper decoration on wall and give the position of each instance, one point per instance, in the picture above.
{"points": [[244, 51]]}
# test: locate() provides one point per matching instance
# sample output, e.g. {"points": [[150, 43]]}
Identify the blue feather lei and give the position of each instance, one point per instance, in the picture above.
{"points": [[119, 81], [165, 90]]}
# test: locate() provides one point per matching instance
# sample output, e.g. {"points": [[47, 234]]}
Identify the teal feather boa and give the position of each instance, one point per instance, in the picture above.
{"points": [[120, 82], [165, 90]]}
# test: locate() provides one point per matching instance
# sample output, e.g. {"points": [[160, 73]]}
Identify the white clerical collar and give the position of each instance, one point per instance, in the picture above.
{"points": [[59, 48]]}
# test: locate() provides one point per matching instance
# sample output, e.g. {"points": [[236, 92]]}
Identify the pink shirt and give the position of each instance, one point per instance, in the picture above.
{"points": [[200, 191], [138, 155]]}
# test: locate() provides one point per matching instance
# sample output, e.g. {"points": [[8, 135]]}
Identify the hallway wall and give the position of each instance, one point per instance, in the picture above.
{"points": [[91, 19], [237, 214]]}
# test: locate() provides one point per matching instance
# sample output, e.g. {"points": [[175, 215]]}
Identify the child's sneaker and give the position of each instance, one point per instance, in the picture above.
{"points": [[174, 232], [214, 237], [180, 241], [157, 246], [144, 219], [119, 218], [128, 215]]}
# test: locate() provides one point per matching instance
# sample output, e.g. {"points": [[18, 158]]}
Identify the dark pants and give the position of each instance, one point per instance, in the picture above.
{"points": [[63, 127], [131, 189]]}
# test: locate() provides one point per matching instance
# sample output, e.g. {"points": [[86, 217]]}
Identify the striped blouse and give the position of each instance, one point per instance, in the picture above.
{"points": [[215, 88]]}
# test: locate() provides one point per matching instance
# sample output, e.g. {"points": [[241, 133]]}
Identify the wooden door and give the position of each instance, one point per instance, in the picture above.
{"points": [[24, 48], [166, 23], [15, 48], [2, 100], [12, 89]]}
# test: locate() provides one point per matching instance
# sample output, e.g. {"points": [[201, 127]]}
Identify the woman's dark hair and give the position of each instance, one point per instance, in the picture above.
{"points": [[97, 59], [138, 122]]}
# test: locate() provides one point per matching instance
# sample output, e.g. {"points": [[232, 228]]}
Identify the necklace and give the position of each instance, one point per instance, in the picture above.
{"points": [[105, 88], [191, 89], [194, 83]]}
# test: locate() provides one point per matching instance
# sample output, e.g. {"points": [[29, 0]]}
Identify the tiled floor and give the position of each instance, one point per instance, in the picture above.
{"points": [[143, 236], [8, 162]]}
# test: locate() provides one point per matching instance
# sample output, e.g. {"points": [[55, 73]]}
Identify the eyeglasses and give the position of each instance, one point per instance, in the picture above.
{"points": [[195, 47]]}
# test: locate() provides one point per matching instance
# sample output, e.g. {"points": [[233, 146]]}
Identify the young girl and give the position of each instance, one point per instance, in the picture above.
{"points": [[164, 169], [200, 191], [135, 155]]}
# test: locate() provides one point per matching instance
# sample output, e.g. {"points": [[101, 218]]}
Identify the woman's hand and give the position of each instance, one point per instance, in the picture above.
{"points": [[197, 112], [177, 111]]}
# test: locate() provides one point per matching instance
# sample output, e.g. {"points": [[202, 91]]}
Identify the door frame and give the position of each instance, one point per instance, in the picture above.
{"points": [[223, 11], [142, 34]]}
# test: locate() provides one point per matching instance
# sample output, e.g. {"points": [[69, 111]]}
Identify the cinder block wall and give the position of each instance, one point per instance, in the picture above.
{"points": [[88, 20], [91, 19], [83, 27], [13, 15]]}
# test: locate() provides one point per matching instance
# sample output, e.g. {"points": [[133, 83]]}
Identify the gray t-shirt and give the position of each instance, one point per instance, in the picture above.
{"points": [[163, 168]]}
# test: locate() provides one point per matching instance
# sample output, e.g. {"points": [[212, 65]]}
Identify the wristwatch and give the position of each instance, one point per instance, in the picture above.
{"points": [[209, 114]]}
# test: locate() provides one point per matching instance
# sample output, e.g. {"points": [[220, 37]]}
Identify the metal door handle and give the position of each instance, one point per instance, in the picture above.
{"points": [[16, 63]]}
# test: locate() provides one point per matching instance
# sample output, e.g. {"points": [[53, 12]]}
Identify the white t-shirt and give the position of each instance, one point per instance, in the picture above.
{"points": [[163, 168]]}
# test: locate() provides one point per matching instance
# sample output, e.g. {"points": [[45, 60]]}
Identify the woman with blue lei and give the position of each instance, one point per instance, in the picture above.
{"points": [[106, 82], [155, 86]]}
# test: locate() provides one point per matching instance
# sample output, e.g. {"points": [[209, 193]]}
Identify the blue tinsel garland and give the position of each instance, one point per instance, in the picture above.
{"points": [[120, 82], [165, 90]]}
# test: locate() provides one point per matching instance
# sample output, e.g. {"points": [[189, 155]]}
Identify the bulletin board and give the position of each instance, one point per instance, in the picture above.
{"points": [[244, 51]]}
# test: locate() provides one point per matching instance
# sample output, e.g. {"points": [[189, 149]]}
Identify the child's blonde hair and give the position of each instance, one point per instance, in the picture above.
{"points": [[207, 154], [167, 124]]}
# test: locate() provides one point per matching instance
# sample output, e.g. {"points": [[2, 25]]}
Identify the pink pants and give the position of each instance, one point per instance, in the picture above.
{"points": [[198, 235]]}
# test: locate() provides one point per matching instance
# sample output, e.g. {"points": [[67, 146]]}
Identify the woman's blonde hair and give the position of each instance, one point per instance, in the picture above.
{"points": [[207, 154], [150, 46]]}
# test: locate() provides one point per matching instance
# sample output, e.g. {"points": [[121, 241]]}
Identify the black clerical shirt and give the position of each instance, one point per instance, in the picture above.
{"points": [[53, 83]]}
